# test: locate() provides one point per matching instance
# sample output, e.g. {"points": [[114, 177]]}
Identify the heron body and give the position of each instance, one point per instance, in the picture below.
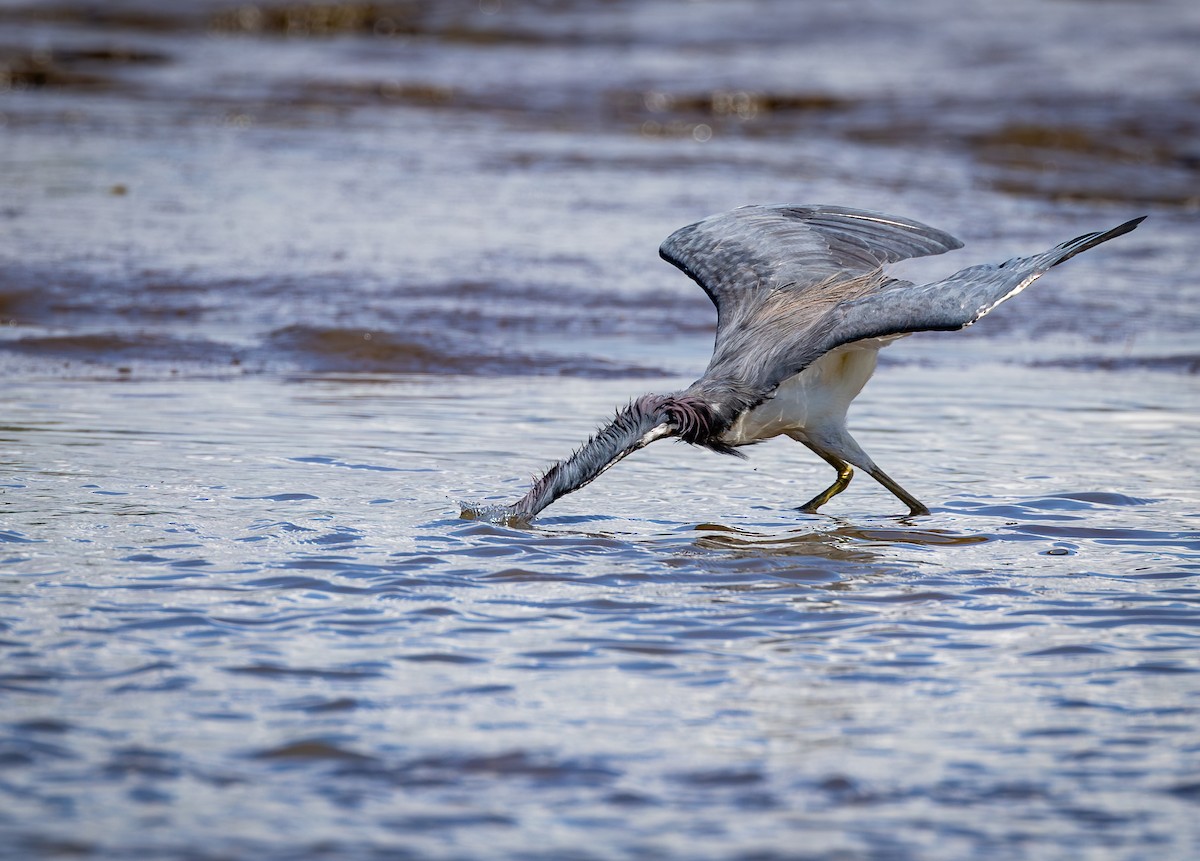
{"points": [[804, 304], [809, 403]]}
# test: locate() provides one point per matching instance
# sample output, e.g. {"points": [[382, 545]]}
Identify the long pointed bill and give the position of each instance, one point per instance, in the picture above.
{"points": [[636, 426]]}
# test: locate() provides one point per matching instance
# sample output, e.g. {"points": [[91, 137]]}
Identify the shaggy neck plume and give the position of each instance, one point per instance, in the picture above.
{"points": [[645, 420]]}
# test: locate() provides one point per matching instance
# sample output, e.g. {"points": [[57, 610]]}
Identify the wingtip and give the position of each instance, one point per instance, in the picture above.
{"points": [[1091, 240], [1120, 229], [1128, 225]]}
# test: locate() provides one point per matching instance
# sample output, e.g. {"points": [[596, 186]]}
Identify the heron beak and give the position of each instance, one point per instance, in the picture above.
{"points": [[663, 430]]}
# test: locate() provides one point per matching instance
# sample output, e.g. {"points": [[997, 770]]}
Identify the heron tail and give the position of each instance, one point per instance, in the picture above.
{"points": [[637, 425]]}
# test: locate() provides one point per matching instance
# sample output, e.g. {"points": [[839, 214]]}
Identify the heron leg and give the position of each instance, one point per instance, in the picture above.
{"points": [[915, 506], [845, 472], [850, 452]]}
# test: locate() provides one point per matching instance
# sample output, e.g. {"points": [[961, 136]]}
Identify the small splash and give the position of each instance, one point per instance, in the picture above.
{"points": [[499, 514]]}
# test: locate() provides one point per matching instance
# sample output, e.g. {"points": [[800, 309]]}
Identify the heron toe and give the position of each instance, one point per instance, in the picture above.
{"points": [[845, 473]]}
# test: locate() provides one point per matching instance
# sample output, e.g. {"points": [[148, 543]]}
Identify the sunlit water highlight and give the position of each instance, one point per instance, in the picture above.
{"points": [[280, 290], [263, 612]]}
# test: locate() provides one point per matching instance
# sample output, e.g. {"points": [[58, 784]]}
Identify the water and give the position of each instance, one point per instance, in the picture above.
{"points": [[281, 289]]}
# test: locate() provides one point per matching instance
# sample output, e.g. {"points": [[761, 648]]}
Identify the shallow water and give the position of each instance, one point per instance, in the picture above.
{"points": [[282, 289], [275, 637]]}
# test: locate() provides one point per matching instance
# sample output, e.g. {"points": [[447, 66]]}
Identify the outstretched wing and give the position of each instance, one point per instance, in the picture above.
{"points": [[955, 302], [775, 273], [792, 283], [740, 257]]}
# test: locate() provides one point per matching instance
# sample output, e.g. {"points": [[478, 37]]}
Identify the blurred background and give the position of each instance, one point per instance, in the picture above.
{"points": [[483, 185], [282, 284]]}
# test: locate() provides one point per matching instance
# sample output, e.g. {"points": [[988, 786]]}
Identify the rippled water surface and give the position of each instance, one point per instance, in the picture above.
{"points": [[283, 286]]}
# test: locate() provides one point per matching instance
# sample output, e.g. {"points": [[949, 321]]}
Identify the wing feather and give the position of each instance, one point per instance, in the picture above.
{"points": [[739, 257], [955, 302], [792, 283]]}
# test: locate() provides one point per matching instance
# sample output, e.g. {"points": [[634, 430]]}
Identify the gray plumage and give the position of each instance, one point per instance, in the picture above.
{"points": [[803, 307]]}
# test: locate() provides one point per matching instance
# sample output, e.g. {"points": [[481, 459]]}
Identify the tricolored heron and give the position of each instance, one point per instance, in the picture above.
{"points": [[803, 308]]}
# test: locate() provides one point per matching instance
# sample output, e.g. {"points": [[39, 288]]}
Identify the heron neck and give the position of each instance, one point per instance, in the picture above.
{"points": [[719, 402], [633, 427]]}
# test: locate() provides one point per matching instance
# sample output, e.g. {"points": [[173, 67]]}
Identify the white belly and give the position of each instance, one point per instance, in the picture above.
{"points": [[816, 398]]}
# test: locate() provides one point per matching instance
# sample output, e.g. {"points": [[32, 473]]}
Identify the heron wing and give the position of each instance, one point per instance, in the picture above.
{"points": [[740, 257], [956, 302], [776, 272], [778, 336]]}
